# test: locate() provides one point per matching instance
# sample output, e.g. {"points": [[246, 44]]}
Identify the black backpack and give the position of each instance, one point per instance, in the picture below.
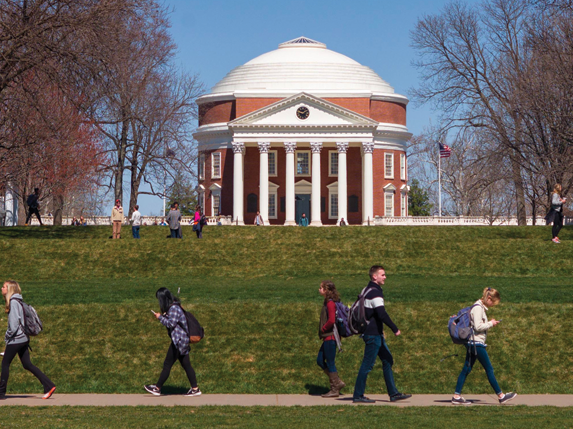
{"points": [[32, 201], [195, 330], [203, 220], [32, 325], [357, 321]]}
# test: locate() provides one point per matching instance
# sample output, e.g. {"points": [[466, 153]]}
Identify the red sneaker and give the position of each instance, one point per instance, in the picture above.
{"points": [[50, 393]]}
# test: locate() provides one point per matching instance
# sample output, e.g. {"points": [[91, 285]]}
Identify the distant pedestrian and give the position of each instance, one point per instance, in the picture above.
{"points": [[173, 318], [374, 341], [476, 348], [197, 225], [555, 215], [83, 222], [117, 219], [259, 219], [17, 342], [174, 220], [303, 221], [33, 202], [342, 222], [327, 353], [163, 223], [135, 222]]}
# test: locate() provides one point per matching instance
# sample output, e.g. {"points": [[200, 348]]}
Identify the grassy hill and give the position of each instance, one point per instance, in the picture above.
{"points": [[255, 290]]}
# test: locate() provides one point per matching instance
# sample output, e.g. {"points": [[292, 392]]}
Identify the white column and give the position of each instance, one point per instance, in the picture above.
{"points": [[315, 192], [264, 181], [342, 182], [290, 148], [11, 207], [368, 185], [238, 184]]}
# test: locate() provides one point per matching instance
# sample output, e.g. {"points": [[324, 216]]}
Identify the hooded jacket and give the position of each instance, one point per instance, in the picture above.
{"points": [[15, 333]]}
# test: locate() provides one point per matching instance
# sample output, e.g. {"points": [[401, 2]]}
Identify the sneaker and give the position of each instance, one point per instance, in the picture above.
{"points": [[153, 389], [1, 353], [555, 240], [363, 400], [193, 392], [50, 393], [507, 397], [399, 397], [460, 401]]}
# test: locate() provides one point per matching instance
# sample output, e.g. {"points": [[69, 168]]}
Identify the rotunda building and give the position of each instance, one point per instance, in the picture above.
{"points": [[303, 129]]}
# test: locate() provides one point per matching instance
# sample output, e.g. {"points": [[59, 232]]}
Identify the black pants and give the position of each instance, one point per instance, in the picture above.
{"points": [[21, 350], [36, 212], [199, 231], [557, 224], [173, 356]]}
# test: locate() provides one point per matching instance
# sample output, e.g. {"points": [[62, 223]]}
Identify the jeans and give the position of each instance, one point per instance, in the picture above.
{"points": [[174, 233], [375, 345], [22, 351], [327, 355], [469, 364], [135, 231], [173, 356]]}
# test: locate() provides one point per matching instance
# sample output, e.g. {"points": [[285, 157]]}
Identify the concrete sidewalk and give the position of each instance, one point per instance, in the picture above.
{"points": [[110, 400]]}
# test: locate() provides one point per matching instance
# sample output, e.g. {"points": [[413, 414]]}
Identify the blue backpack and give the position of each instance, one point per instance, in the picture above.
{"points": [[342, 320], [460, 327]]}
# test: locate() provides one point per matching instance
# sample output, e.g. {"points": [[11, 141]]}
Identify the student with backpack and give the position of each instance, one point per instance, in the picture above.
{"points": [[173, 318], [327, 353], [373, 336], [476, 347], [33, 202], [17, 341]]}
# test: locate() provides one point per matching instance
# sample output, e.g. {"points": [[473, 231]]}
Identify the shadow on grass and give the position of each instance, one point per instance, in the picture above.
{"points": [[315, 390]]}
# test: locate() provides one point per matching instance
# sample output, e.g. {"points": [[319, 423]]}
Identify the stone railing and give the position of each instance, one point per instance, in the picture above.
{"points": [[145, 220]]}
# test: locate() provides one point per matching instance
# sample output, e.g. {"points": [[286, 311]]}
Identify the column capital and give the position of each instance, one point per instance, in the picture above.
{"points": [[290, 147], [315, 147], [264, 147], [368, 147], [342, 147], [238, 147]]}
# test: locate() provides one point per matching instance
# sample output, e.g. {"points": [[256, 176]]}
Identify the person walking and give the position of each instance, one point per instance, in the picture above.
{"points": [[17, 343], [555, 214], [173, 318], [476, 348], [116, 219], [135, 222], [174, 220], [33, 202], [327, 353], [259, 219], [374, 341], [197, 227], [303, 221]]}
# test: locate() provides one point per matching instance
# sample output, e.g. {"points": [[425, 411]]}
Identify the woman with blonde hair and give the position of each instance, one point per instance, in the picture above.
{"points": [[555, 215], [17, 343], [476, 347]]}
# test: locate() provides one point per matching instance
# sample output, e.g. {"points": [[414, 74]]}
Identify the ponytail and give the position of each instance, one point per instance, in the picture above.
{"points": [[492, 294]]}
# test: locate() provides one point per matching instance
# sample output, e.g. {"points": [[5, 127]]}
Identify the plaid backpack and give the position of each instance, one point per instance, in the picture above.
{"points": [[32, 325]]}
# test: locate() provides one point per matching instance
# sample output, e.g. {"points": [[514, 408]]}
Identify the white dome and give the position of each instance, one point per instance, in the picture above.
{"points": [[302, 65]]}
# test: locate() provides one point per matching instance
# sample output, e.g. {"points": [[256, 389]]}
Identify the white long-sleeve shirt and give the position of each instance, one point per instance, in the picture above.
{"points": [[136, 218], [479, 322]]}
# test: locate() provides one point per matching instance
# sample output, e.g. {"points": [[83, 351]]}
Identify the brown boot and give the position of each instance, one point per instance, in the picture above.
{"points": [[334, 392], [338, 383]]}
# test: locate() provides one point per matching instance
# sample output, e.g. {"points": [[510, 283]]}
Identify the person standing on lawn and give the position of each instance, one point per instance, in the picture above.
{"points": [[173, 318], [375, 343], [135, 222], [197, 227], [174, 220], [327, 353], [117, 219], [555, 215], [17, 343], [33, 202], [476, 348]]}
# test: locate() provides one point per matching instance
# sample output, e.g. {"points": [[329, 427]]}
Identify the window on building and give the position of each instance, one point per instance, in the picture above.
{"points": [[333, 206], [215, 204], [272, 162], [303, 163], [402, 166], [353, 204], [388, 165], [272, 206], [333, 163], [201, 166], [404, 205], [201, 199], [389, 204], [216, 165]]}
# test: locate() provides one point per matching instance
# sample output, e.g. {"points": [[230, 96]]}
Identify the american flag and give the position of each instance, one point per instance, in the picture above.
{"points": [[445, 151]]}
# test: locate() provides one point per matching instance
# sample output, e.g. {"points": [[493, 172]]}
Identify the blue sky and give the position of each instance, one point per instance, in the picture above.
{"points": [[215, 36]]}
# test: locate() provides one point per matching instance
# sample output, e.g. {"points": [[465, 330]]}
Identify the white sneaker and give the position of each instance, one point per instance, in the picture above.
{"points": [[2, 354], [193, 392]]}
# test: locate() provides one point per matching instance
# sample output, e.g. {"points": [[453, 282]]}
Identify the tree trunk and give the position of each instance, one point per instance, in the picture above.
{"points": [[519, 192], [121, 152], [58, 209]]}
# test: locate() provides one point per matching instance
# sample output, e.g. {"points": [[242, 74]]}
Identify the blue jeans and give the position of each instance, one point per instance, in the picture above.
{"points": [[469, 364], [375, 345], [327, 355], [174, 233], [135, 231]]}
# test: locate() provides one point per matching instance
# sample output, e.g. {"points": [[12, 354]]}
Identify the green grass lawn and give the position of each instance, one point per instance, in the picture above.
{"points": [[280, 417], [255, 290]]}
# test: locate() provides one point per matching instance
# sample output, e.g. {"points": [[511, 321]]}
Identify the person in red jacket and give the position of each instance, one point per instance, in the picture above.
{"points": [[327, 353]]}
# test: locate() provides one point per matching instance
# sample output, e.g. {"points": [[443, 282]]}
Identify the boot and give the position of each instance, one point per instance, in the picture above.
{"points": [[334, 392], [338, 383]]}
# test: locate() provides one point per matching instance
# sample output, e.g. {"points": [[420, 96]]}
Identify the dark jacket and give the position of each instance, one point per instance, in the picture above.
{"points": [[376, 312]]}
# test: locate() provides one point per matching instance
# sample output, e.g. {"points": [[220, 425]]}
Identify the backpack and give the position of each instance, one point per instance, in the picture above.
{"points": [[32, 201], [357, 321], [32, 325], [460, 327], [194, 329], [342, 325], [203, 220]]}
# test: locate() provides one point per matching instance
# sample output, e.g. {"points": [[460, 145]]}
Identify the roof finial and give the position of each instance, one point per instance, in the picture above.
{"points": [[302, 42]]}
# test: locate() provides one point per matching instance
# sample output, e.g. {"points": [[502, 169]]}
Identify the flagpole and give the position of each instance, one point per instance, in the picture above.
{"points": [[439, 183]]}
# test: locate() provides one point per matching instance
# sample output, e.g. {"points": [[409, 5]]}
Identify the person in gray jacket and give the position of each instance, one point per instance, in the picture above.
{"points": [[174, 220], [555, 215], [17, 343]]}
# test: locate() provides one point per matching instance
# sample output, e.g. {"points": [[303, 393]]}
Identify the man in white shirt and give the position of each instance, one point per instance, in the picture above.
{"points": [[135, 222], [259, 219]]}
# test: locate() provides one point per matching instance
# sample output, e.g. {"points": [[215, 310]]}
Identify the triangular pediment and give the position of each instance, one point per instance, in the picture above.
{"points": [[303, 110]]}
